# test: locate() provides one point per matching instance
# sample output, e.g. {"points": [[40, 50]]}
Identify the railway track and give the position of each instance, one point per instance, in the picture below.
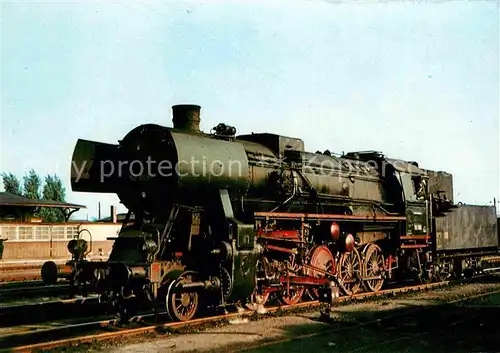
{"points": [[446, 316], [58, 334], [35, 312], [108, 329], [20, 273], [15, 283], [29, 290]]}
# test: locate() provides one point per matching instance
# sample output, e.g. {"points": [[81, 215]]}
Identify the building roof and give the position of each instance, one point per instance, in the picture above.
{"points": [[120, 217], [9, 199]]}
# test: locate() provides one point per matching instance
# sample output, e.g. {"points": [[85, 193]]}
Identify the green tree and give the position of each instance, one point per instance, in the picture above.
{"points": [[11, 184], [32, 185], [53, 190]]}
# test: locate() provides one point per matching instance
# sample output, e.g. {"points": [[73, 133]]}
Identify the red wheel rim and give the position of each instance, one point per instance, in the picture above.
{"points": [[321, 257]]}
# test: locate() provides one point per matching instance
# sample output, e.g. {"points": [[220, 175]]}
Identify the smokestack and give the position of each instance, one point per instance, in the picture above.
{"points": [[186, 117], [113, 214]]}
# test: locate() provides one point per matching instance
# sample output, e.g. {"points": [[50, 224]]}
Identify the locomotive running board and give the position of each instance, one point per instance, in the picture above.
{"points": [[330, 217]]}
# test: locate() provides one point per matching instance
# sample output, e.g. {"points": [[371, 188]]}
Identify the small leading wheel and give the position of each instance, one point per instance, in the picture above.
{"points": [[349, 270], [373, 266], [291, 297], [181, 305]]}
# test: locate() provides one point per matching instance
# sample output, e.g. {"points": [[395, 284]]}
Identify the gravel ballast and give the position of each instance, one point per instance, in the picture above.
{"points": [[245, 332]]}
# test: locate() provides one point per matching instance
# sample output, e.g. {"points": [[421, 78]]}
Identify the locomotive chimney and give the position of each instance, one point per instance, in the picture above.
{"points": [[186, 117]]}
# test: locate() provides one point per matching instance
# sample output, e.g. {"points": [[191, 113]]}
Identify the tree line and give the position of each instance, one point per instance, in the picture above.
{"points": [[52, 190]]}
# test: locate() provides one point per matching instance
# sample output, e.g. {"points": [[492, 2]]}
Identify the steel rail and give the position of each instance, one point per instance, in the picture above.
{"points": [[21, 306], [29, 291], [171, 325], [37, 311], [7, 284]]}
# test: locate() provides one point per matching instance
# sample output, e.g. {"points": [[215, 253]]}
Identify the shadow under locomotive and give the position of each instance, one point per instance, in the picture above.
{"points": [[220, 219]]}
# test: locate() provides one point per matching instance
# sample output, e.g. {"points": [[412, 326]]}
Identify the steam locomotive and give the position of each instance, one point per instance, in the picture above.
{"points": [[217, 219]]}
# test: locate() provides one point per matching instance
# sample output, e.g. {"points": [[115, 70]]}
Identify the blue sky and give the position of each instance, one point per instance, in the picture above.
{"points": [[417, 81]]}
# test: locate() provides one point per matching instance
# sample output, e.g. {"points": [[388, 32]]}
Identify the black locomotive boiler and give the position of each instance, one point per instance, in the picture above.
{"points": [[217, 219]]}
